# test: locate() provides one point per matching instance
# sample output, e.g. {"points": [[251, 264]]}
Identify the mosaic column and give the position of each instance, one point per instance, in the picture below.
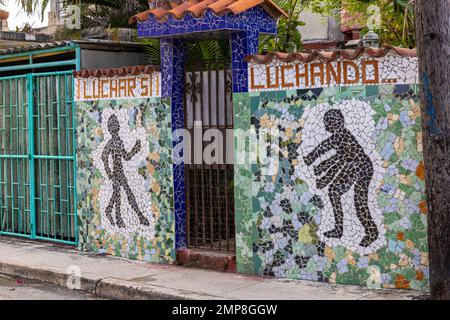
{"points": [[173, 58], [243, 43]]}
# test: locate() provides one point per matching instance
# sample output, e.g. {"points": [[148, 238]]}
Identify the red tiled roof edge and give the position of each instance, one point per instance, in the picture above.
{"points": [[112, 72], [219, 7], [330, 55]]}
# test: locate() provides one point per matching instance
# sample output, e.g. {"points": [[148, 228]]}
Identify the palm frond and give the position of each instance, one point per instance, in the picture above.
{"points": [[31, 6]]}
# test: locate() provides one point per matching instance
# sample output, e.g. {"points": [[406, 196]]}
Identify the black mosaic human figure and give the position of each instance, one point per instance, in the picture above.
{"points": [[116, 148], [349, 166]]}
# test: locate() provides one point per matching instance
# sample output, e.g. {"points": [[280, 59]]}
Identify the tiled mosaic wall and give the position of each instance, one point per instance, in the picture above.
{"points": [[345, 203], [125, 178]]}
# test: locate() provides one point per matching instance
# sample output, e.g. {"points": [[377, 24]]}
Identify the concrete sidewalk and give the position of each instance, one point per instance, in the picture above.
{"points": [[117, 278]]}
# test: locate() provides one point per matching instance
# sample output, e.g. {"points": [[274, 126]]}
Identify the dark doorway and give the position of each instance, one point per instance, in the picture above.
{"points": [[209, 181]]}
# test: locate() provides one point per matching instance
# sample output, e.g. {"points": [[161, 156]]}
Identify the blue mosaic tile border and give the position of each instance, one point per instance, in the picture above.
{"points": [[253, 19], [243, 43], [247, 26], [173, 57]]}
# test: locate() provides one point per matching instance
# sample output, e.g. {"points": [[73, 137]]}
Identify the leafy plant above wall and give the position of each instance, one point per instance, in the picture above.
{"points": [[397, 20], [288, 38], [206, 50], [396, 17], [113, 13]]}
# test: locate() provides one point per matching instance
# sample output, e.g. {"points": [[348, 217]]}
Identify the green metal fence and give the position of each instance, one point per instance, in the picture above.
{"points": [[37, 157]]}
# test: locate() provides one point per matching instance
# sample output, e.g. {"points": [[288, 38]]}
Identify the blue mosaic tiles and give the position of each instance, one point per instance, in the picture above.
{"points": [[173, 57], [246, 28], [243, 43]]}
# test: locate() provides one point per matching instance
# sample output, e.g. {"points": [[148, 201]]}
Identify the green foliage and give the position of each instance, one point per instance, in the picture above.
{"points": [[206, 50], [113, 13], [397, 22], [397, 19], [108, 13], [288, 38], [325, 7], [30, 6], [152, 50]]}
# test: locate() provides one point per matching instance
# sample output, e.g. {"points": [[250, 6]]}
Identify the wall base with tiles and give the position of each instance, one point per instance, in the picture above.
{"points": [[125, 178], [345, 203]]}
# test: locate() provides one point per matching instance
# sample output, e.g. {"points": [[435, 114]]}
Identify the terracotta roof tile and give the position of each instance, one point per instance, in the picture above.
{"points": [[113, 72], [330, 55], [220, 5], [198, 7], [241, 6], [157, 12], [179, 11]]}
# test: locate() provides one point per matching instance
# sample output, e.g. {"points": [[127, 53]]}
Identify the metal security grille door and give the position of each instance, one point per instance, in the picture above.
{"points": [[15, 188], [209, 184], [54, 157], [37, 160]]}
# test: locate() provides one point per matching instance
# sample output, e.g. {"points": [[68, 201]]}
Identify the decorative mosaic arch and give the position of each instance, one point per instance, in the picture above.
{"points": [[242, 21]]}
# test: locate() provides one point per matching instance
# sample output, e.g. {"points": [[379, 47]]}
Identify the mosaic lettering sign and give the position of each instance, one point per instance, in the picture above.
{"points": [[279, 75], [128, 87]]}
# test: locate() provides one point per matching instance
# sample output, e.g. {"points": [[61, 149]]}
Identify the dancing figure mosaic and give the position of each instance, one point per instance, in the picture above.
{"points": [[347, 203], [122, 195], [349, 166], [345, 170], [125, 178]]}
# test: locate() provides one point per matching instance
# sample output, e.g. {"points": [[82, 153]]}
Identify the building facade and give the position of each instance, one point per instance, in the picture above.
{"points": [[303, 166]]}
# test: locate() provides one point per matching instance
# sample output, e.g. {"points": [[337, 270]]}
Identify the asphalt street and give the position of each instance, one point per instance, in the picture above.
{"points": [[20, 289]]}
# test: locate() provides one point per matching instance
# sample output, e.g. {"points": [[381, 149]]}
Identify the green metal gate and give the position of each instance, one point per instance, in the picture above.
{"points": [[37, 157]]}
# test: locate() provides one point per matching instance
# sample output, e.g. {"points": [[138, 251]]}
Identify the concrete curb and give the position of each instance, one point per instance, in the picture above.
{"points": [[108, 288], [47, 275], [119, 278], [125, 290]]}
